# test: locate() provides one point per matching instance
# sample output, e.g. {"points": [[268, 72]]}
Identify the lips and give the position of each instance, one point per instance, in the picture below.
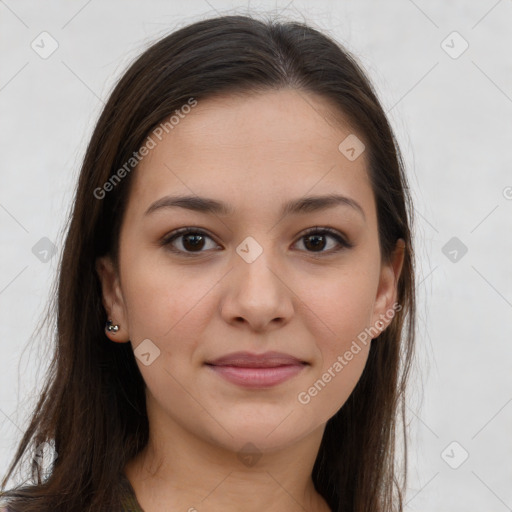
{"points": [[257, 370], [248, 360]]}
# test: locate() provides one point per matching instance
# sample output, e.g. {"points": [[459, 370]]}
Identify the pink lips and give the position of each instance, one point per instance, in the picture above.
{"points": [[257, 370]]}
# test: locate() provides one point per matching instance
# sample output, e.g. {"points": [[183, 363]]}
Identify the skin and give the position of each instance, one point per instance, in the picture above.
{"points": [[254, 153]]}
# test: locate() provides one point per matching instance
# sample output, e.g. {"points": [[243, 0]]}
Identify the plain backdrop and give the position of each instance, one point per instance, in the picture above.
{"points": [[444, 75]]}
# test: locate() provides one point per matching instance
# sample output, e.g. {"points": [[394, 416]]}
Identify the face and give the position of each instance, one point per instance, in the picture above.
{"points": [[289, 283]]}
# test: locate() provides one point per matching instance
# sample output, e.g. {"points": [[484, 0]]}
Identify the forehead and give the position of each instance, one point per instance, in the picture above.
{"points": [[254, 151]]}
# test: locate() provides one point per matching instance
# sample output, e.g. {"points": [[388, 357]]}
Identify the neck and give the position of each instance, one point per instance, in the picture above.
{"points": [[178, 471]]}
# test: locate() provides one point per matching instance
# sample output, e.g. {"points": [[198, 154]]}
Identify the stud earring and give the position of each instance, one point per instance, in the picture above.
{"points": [[113, 328]]}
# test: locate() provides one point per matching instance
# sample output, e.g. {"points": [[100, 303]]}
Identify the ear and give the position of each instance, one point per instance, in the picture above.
{"points": [[385, 301], [113, 301]]}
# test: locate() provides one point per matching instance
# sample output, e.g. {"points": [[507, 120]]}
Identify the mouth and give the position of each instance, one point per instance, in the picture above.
{"points": [[257, 370]]}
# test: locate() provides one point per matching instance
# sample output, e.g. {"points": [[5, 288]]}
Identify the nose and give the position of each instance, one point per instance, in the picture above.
{"points": [[257, 296]]}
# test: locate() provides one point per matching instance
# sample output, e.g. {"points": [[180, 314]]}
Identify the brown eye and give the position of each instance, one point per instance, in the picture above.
{"points": [[187, 240], [192, 241], [316, 241]]}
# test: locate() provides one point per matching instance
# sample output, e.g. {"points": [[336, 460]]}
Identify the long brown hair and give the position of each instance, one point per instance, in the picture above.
{"points": [[92, 408]]}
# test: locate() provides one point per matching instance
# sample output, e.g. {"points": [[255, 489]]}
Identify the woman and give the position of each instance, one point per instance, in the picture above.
{"points": [[236, 303]]}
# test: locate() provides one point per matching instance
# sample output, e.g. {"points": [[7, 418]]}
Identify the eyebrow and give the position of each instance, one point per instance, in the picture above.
{"points": [[297, 206]]}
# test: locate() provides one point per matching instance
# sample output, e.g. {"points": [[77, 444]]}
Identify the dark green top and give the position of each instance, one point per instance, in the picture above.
{"points": [[129, 503]]}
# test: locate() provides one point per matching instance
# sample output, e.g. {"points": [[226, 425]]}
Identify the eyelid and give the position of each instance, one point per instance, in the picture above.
{"points": [[341, 239]]}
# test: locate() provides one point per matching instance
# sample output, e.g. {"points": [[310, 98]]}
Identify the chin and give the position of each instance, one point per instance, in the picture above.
{"points": [[267, 433]]}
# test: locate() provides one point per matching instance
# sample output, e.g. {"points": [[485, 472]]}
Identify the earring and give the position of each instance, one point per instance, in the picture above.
{"points": [[111, 327]]}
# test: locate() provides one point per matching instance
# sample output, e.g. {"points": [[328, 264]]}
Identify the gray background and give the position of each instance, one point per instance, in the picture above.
{"points": [[452, 114]]}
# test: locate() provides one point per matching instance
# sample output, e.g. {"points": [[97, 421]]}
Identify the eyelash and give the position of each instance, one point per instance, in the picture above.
{"points": [[171, 237]]}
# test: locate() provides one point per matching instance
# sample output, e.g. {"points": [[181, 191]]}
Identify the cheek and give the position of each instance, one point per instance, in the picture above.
{"points": [[342, 351], [342, 307], [342, 303], [170, 306], [164, 301]]}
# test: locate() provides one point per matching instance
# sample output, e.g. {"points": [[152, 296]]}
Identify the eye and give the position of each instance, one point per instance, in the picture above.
{"points": [[315, 240], [193, 240]]}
